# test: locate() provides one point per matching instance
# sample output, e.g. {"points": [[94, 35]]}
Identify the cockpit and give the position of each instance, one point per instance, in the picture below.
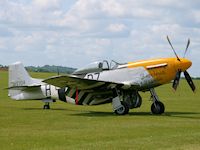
{"points": [[97, 66]]}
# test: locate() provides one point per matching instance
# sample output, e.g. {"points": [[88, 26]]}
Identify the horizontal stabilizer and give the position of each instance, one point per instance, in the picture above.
{"points": [[22, 87]]}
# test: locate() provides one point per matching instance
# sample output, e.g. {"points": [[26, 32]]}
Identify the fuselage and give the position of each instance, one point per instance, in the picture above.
{"points": [[145, 74]]}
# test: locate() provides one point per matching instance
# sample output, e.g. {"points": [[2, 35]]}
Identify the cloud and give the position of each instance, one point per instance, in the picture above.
{"points": [[76, 32], [46, 4], [196, 15], [5, 32], [116, 27]]}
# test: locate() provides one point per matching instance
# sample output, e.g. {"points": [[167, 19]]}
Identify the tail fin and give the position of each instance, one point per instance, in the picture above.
{"points": [[18, 77]]}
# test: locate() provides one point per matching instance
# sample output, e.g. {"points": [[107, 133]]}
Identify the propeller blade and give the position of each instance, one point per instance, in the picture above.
{"points": [[189, 80], [188, 43], [173, 48], [176, 80]]}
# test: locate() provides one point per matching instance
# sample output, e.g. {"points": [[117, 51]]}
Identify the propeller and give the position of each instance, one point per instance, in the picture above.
{"points": [[189, 81], [188, 43], [176, 80], [173, 48], [178, 74]]}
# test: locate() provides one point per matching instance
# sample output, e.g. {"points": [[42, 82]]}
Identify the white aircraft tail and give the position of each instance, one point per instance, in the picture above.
{"points": [[18, 76], [19, 79]]}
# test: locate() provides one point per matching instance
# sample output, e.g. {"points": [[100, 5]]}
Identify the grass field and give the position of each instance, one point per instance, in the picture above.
{"points": [[24, 125]]}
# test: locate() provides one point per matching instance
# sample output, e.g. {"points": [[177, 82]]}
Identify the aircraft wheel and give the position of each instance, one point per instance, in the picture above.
{"points": [[46, 107], [122, 110], [157, 108]]}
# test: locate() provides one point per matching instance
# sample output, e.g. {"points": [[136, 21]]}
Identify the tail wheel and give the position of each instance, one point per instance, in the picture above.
{"points": [[46, 107], [157, 107], [122, 110]]}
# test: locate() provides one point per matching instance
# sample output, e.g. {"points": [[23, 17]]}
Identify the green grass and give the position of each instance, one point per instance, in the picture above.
{"points": [[24, 125]]}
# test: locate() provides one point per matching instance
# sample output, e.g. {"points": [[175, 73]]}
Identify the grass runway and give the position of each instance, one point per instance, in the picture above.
{"points": [[24, 125]]}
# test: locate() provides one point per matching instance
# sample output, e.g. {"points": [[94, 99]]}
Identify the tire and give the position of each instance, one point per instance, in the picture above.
{"points": [[46, 107], [157, 108], [123, 110]]}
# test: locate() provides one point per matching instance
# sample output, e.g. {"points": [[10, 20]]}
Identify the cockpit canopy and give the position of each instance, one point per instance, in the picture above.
{"points": [[97, 66]]}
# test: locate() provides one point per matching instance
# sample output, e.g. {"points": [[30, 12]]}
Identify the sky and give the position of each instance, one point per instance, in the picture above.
{"points": [[75, 33]]}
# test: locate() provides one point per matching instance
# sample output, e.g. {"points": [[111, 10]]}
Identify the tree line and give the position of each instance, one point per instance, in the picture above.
{"points": [[45, 68]]}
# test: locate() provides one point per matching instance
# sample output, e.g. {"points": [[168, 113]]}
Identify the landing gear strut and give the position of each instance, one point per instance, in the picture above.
{"points": [[119, 107], [157, 107]]}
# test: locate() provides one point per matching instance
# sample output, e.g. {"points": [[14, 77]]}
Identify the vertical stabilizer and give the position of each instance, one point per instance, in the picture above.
{"points": [[18, 77]]}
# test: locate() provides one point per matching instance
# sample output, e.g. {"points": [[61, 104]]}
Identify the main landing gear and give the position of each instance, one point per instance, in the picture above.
{"points": [[157, 107], [47, 103], [123, 109], [119, 107]]}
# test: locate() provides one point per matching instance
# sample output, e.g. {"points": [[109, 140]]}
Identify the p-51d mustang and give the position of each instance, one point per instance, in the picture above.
{"points": [[101, 82]]}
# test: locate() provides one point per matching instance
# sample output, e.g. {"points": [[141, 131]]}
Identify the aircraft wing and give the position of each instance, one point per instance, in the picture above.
{"points": [[80, 83]]}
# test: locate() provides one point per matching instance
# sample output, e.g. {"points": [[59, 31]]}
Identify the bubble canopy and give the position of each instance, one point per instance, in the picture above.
{"points": [[97, 66]]}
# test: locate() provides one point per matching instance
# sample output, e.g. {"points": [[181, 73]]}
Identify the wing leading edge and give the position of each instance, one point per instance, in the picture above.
{"points": [[82, 83]]}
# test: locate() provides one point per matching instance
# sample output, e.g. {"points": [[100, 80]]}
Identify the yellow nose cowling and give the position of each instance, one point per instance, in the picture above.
{"points": [[183, 64]]}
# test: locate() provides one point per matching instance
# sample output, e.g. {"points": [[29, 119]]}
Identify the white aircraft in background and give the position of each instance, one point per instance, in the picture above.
{"points": [[101, 82]]}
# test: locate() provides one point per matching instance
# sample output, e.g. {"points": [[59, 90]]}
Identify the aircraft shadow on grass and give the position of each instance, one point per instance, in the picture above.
{"points": [[52, 109], [189, 115]]}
